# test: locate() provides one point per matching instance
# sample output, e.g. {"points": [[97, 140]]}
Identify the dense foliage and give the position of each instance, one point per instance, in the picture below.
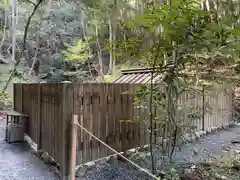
{"points": [[107, 29]]}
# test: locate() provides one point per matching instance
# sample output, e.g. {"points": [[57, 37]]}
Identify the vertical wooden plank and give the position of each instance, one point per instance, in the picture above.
{"points": [[79, 108], [210, 109], [195, 109], [54, 141], [103, 120], [124, 117], [43, 112], [232, 104], [55, 110], [135, 126], [207, 110], [137, 115], [220, 107], [86, 138], [200, 110], [136, 132], [203, 108], [211, 119], [110, 117], [198, 124], [108, 130], [224, 107], [105, 115], [140, 116], [16, 96], [50, 122], [90, 122], [147, 121], [219, 104], [95, 119], [39, 117], [213, 94], [67, 112], [131, 125], [128, 119], [84, 119], [117, 102], [26, 107], [215, 108], [74, 145], [229, 105]]}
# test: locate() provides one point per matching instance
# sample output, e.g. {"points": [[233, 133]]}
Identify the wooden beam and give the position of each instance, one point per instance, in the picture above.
{"points": [[74, 145]]}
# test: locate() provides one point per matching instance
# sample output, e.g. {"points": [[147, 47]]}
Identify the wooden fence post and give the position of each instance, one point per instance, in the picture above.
{"points": [[67, 112], [203, 108], [233, 104], [18, 97], [39, 146], [74, 129]]}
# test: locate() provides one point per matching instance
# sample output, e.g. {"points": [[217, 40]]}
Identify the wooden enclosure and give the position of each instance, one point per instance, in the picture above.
{"points": [[109, 112]]}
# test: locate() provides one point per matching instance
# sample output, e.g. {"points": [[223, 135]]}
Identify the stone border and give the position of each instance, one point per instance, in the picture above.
{"points": [[43, 155], [81, 170]]}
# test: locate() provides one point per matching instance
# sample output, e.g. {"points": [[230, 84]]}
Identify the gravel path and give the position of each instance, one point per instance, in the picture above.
{"points": [[17, 162], [212, 144], [209, 145]]}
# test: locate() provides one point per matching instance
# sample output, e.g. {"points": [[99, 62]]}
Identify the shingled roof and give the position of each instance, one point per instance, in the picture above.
{"points": [[138, 76], [143, 75]]}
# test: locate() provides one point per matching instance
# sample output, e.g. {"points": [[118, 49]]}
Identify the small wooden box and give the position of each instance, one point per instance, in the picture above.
{"points": [[15, 133], [15, 126]]}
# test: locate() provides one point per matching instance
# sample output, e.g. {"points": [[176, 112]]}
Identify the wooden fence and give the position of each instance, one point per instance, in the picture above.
{"points": [[50, 108], [109, 112]]}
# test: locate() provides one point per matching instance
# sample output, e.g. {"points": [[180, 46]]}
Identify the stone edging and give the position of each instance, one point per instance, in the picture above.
{"points": [[47, 159], [82, 169]]}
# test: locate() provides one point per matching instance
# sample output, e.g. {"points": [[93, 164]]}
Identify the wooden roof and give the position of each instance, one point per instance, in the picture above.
{"points": [[143, 75], [138, 76]]}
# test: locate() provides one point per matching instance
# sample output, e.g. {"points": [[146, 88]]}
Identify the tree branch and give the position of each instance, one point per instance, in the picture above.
{"points": [[34, 4], [24, 45], [34, 62], [151, 106]]}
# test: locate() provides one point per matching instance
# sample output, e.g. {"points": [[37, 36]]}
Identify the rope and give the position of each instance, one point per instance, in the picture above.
{"points": [[142, 169]]}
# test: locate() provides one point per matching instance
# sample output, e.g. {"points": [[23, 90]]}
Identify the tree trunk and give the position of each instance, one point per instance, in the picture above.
{"points": [[99, 52], [111, 45], [83, 24], [114, 35], [14, 7], [114, 49], [36, 62], [4, 29]]}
